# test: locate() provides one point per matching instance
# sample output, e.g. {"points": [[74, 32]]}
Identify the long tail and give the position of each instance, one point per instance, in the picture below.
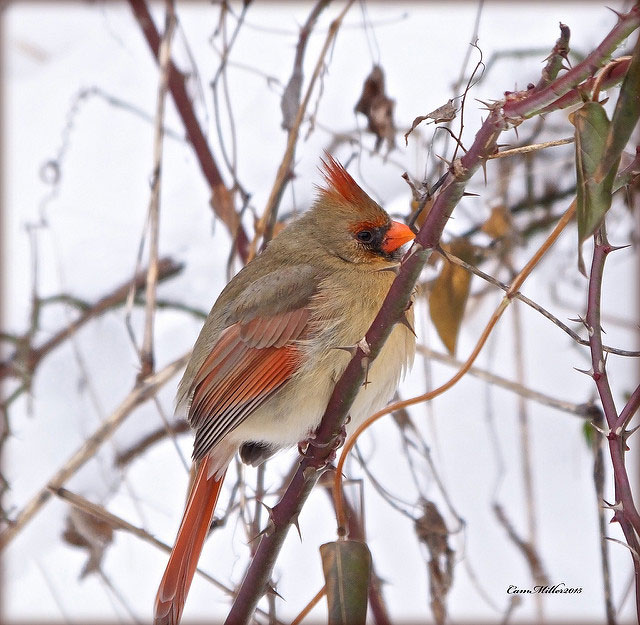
{"points": [[183, 561]]}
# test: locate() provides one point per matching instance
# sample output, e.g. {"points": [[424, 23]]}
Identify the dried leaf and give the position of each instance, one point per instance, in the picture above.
{"points": [[445, 113], [449, 294], [432, 531], [499, 223], [593, 198], [347, 569], [378, 108], [290, 101], [88, 532]]}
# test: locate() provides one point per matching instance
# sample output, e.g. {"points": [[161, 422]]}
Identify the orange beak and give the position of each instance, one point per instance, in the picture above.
{"points": [[397, 235]]}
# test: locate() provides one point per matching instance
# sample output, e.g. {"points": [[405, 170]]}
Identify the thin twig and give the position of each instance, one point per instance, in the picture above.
{"points": [[580, 410], [127, 456], [526, 463], [534, 147], [26, 360], [312, 604], [264, 227], [543, 311], [599, 484], [119, 523], [164, 58], [138, 395], [221, 199], [525, 547]]}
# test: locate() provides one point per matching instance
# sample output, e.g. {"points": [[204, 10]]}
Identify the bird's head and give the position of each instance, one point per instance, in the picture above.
{"points": [[352, 226]]}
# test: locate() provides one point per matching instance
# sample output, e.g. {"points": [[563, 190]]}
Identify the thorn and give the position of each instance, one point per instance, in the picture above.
{"points": [[272, 591], [588, 372], [627, 433], [269, 528], [365, 366], [564, 67], [614, 248], [484, 171], [599, 429], [503, 145], [515, 129], [394, 269], [487, 105], [612, 506], [467, 194], [414, 249], [268, 509], [296, 524], [364, 346], [583, 321], [620, 15], [444, 160], [407, 324]]}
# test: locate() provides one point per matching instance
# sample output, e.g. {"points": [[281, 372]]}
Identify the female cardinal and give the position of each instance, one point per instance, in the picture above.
{"points": [[265, 363]]}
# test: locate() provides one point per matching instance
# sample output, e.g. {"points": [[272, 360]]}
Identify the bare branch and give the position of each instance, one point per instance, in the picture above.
{"points": [[164, 58], [140, 393], [221, 200], [26, 360], [264, 227]]}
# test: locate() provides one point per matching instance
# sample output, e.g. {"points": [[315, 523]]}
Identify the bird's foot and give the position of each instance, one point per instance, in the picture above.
{"points": [[304, 448]]}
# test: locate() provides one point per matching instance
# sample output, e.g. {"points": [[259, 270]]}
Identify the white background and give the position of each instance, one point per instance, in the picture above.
{"points": [[89, 245]]}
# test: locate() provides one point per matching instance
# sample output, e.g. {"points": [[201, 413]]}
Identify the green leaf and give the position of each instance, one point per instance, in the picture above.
{"points": [[594, 198], [347, 569], [625, 117]]}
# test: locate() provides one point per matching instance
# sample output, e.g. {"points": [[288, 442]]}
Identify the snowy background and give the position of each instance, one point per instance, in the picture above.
{"points": [[90, 224]]}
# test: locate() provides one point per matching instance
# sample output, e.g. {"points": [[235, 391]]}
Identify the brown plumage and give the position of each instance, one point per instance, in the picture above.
{"points": [[264, 365]]}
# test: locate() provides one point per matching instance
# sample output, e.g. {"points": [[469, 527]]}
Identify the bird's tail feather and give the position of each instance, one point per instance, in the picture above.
{"points": [[183, 561]]}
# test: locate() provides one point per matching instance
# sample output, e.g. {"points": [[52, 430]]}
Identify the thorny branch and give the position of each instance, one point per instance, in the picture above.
{"points": [[502, 115], [625, 511], [118, 523], [543, 311], [26, 358]]}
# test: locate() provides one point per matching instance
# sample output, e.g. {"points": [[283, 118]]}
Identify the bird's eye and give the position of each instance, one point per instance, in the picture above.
{"points": [[365, 236]]}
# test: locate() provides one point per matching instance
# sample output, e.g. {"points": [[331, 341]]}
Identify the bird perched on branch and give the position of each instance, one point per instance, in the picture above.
{"points": [[265, 363]]}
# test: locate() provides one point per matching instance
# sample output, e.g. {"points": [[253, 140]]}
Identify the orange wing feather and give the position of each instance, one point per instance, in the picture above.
{"points": [[250, 361]]}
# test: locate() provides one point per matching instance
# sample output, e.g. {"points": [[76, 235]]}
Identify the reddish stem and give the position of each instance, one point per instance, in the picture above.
{"points": [[221, 201]]}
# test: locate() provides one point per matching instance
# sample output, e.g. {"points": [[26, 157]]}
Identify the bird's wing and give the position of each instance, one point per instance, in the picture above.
{"points": [[251, 360]]}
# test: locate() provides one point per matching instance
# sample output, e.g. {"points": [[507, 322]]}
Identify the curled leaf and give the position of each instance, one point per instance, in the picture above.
{"points": [[90, 533], [445, 113], [432, 531], [593, 196], [378, 107], [499, 223], [347, 568], [449, 294]]}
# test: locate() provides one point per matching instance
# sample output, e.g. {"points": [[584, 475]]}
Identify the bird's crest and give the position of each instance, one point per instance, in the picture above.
{"points": [[340, 184]]}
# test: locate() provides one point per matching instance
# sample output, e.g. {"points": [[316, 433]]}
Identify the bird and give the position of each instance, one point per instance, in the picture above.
{"points": [[267, 358]]}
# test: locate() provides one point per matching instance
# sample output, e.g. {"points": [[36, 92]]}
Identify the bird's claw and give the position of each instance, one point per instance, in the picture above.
{"points": [[334, 445]]}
